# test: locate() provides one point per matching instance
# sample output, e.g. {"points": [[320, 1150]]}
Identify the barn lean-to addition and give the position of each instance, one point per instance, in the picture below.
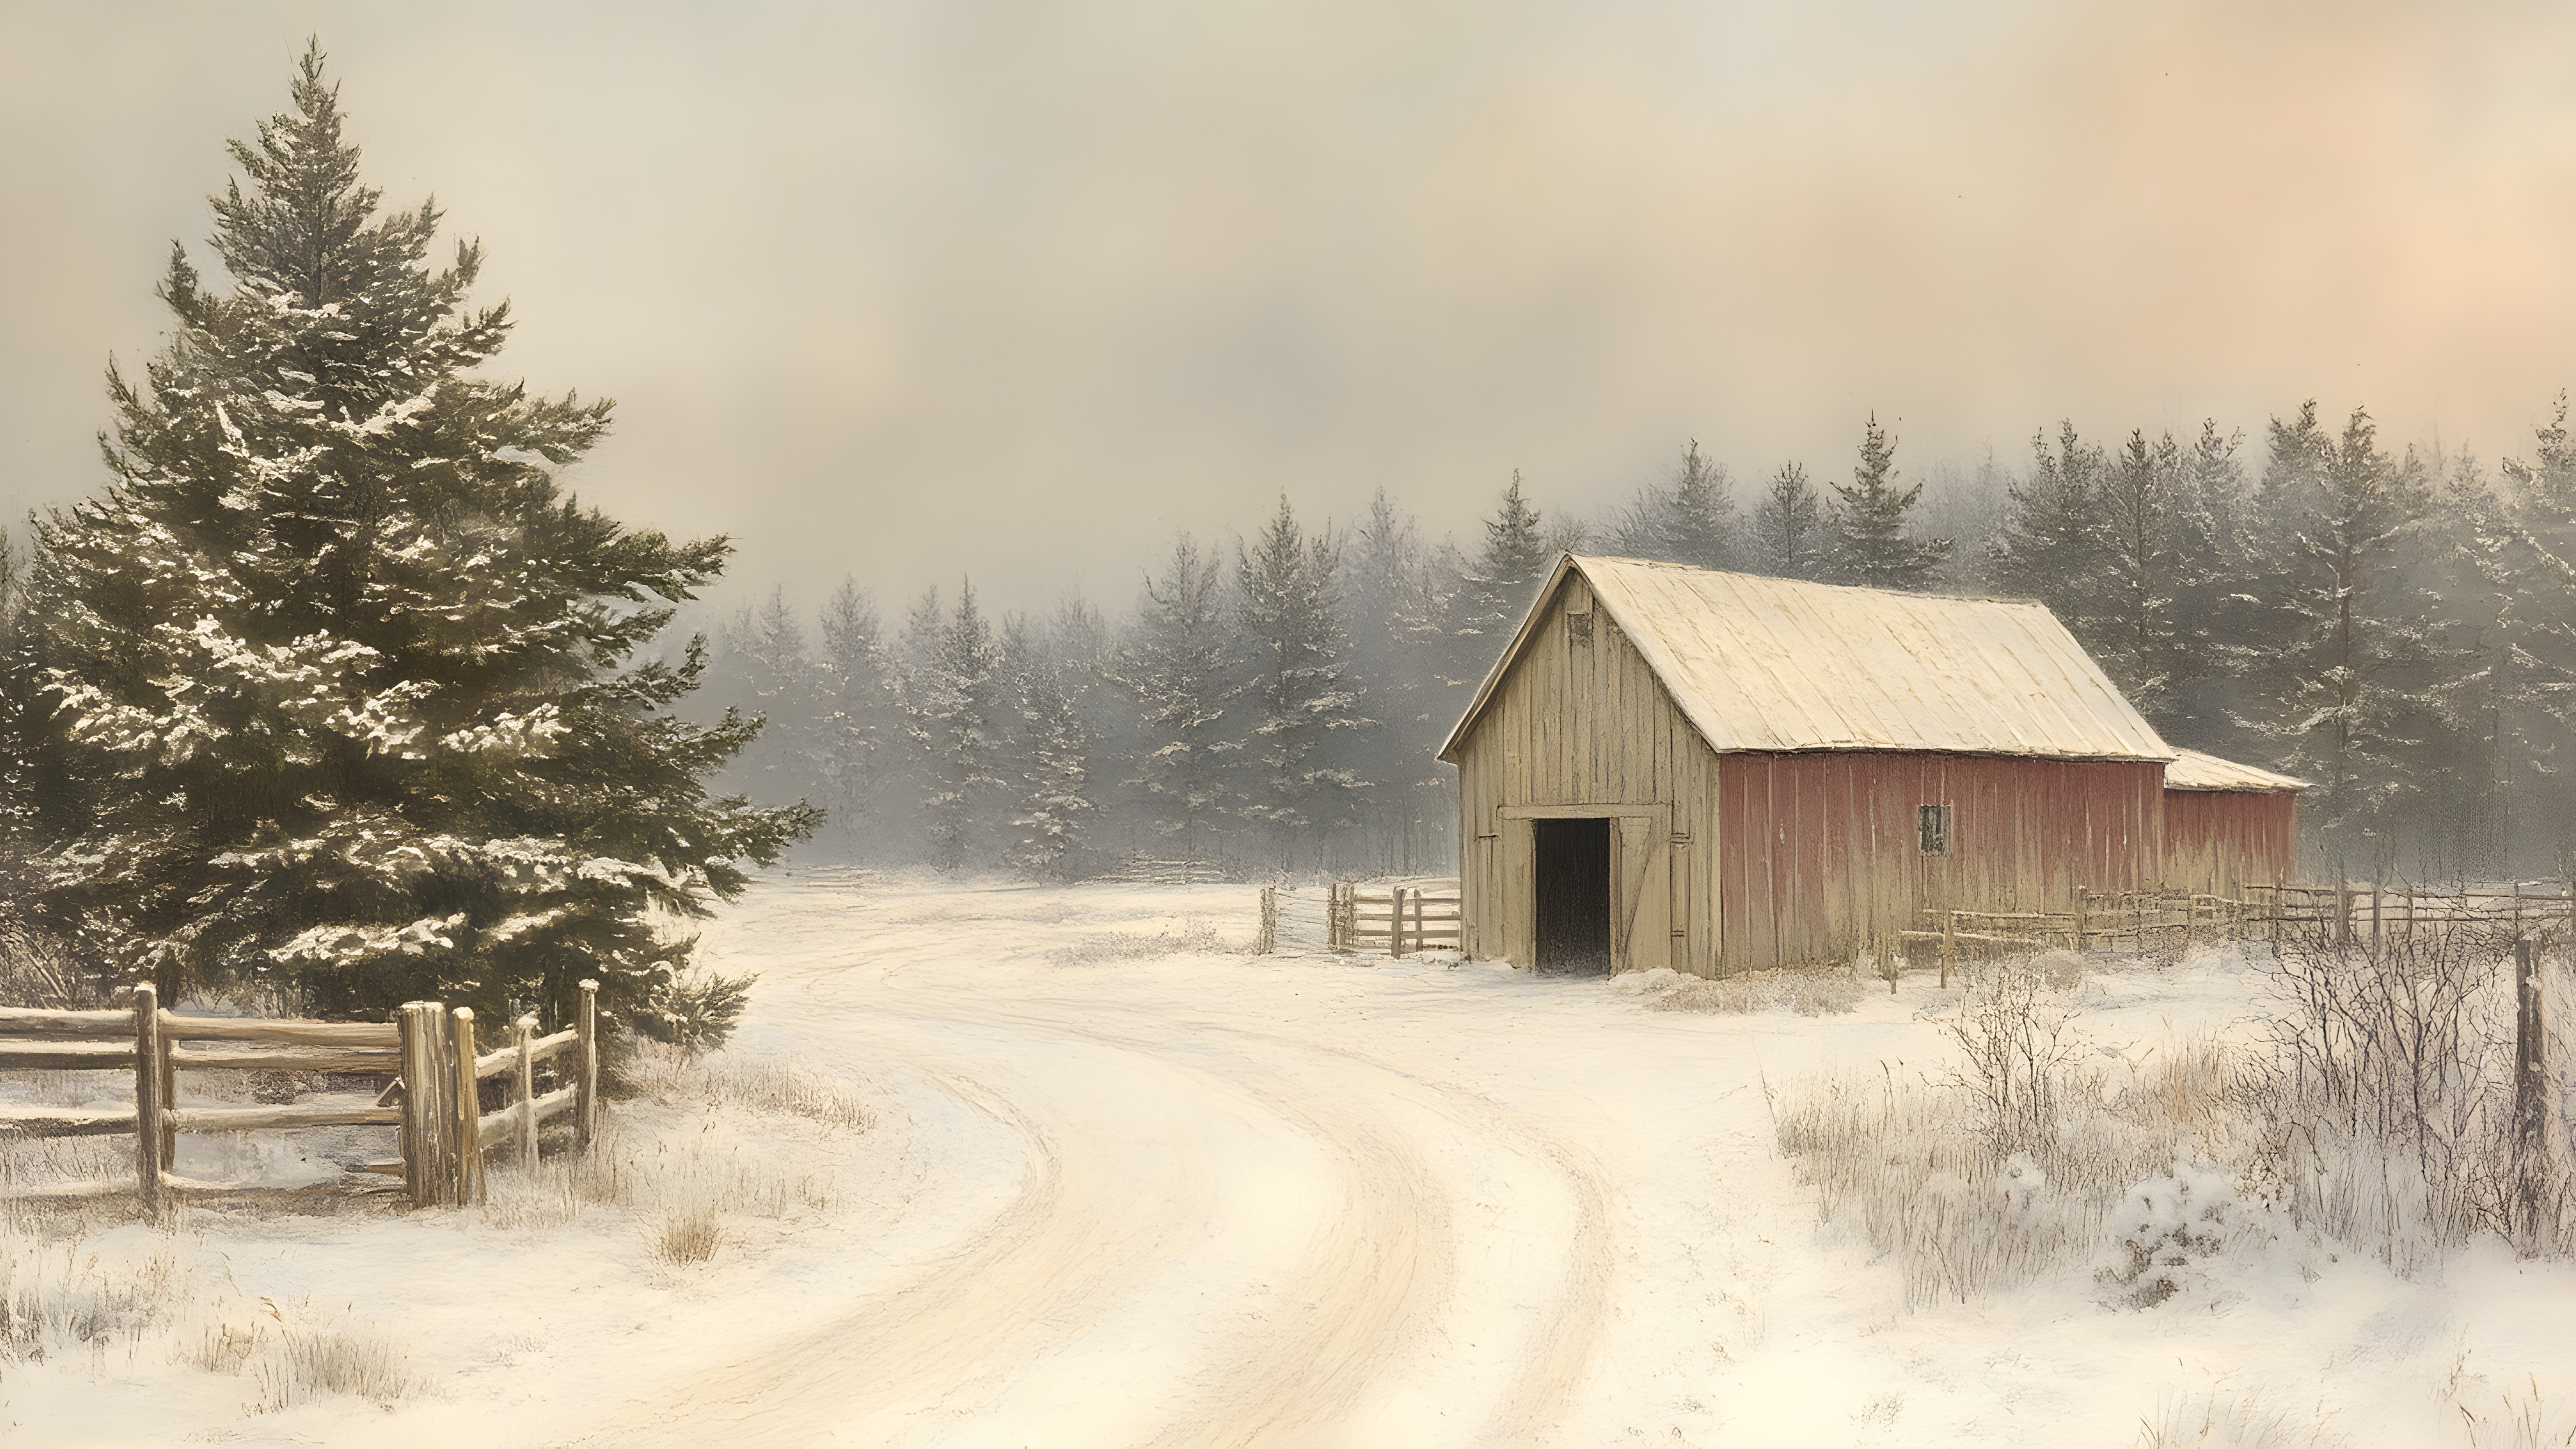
{"points": [[1722, 772], [2228, 825]]}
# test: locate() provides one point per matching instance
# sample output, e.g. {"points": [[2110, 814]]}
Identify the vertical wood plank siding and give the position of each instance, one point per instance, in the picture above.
{"points": [[2218, 840], [1820, 857], [1584, 724]]}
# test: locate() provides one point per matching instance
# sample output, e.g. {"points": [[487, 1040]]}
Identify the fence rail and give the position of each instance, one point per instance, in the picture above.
{"points": [[434, 1097]]}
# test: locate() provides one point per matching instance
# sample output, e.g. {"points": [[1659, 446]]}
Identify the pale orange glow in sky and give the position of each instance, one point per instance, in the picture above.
{"points": [[922, 288]]}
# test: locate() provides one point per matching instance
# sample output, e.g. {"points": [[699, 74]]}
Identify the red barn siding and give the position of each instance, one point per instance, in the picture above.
{"points": [[2218, 840], [1818, 856]]}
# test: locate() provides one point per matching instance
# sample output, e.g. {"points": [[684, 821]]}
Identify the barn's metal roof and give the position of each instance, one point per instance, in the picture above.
{"points": [[2192, 770], [1783, 665]]}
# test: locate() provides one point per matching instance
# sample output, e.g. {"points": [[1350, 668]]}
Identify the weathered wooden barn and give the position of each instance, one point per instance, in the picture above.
{"points": [[2228, 824], [1721, 772]]}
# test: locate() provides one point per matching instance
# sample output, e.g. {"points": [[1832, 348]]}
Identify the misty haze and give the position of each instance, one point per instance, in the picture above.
{"points": [[1288, 726]]}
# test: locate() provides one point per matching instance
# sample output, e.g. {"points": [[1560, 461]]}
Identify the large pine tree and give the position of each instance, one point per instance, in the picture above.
{"points": [[335, 687]]}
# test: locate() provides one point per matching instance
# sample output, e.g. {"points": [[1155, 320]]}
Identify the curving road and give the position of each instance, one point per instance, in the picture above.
{"points": [[1232, 1203]]}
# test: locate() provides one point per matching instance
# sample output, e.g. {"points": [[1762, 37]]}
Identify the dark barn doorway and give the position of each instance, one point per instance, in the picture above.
{"points": [[1573, 895]]}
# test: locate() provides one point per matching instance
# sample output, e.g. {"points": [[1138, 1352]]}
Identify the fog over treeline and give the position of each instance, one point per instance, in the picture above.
{"points": [[2394, 623]]}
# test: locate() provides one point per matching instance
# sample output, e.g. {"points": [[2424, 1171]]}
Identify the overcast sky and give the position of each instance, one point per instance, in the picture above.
{"points": [[905, 290]]}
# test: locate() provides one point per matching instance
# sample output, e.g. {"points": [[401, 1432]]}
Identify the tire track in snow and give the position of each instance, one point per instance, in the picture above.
{"points": [[923, 1358], [1546, 1381]]}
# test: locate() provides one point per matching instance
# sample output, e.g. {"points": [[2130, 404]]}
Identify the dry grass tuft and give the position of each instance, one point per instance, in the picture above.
{"points": [[688, 1237], [691, 1151], [2230, 1421], [1196, 939], [305, 1365], [56, 1296], [1804, 992]]}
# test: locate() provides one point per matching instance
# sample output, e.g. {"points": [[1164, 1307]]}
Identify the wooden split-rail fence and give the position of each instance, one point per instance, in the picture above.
{"points": [[2351, 912], [1396, 918], [2174, 919], [428, 1051]]}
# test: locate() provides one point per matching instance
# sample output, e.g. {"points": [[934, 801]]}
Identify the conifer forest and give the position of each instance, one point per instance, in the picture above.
{"points": [[2391, 621]]}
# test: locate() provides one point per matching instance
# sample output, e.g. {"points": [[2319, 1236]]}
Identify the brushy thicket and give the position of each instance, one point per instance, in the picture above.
{"points": [[2373, 1111]]}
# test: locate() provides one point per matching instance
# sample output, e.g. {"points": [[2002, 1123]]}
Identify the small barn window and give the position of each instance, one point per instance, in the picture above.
{"points": [[1578, 626], [1932, 824]]}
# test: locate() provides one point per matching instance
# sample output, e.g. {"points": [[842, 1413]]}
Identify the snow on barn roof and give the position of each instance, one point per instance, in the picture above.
{"points": [[2192, 770], [1782, 665]]}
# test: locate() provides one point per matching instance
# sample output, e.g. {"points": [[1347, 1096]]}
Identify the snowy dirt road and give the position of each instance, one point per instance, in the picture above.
{"points": [[1154, 1192]]}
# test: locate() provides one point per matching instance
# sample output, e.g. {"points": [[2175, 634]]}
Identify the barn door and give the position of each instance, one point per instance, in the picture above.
{"points": [[1641, 910]]}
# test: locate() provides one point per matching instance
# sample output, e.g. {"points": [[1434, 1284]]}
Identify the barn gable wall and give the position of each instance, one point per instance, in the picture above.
{"points": [[1585, 723], [1823, 858]]}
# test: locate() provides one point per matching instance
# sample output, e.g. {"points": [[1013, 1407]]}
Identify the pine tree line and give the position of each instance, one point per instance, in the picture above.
{"points": [[2398, 628]]}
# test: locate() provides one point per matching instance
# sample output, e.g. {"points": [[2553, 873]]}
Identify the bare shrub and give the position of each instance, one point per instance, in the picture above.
{"points": [[2016, 1033], [2387, 1100], [1805, 992], [2006, 1169]]}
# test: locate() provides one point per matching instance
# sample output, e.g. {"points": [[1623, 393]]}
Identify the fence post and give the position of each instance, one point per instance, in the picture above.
{"points": [[466, 1166], [585, 1082], [2374, 912], [1949, 945], [2343, 913], [422, 1025], [2280, 904], [2530, 1081], [1269, 922], [1395, 921], [527, 1035], [147, 1096]]}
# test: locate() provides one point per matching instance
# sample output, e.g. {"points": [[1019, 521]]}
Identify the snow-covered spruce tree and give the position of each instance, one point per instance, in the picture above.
{"points": [[2133, 630], [2355, 680], [2215, 618], [1692, 520], [1302, 707], [1788, 530], [1498, 585], [1866, 538], [1049, 753], [762, 665], [857, 726], [335, 687], [1395, 592], [955, 715], [2050, 547], [1179, 668]]}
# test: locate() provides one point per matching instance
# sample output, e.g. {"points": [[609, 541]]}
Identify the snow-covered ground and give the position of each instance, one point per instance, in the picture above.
{"points": [[1128, 1186]]}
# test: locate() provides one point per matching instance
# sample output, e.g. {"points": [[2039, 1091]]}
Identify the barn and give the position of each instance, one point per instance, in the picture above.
{"points": [[2228, 824], [1721, 772]]}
